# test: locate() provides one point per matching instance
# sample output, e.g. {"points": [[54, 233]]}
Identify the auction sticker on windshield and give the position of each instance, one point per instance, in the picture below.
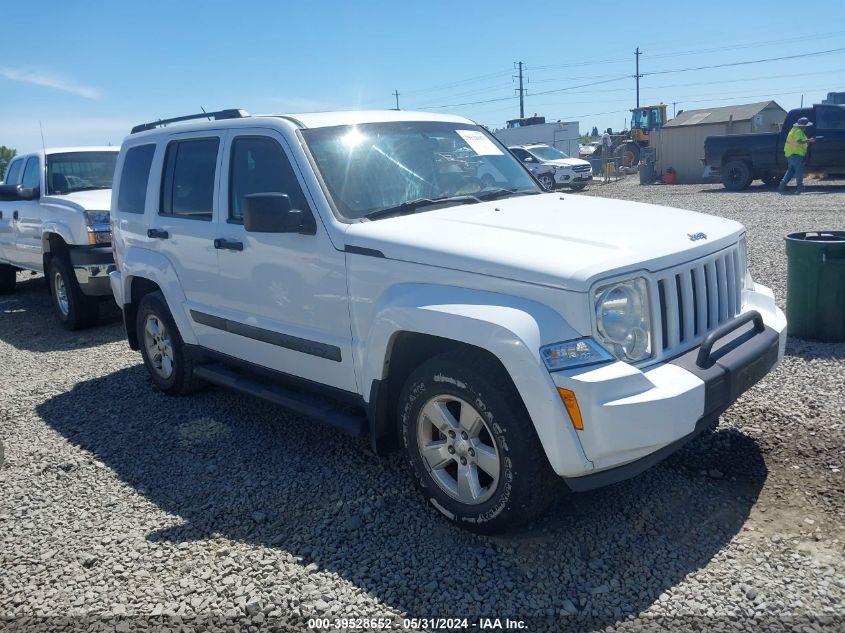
{"points": [[480, 144]]}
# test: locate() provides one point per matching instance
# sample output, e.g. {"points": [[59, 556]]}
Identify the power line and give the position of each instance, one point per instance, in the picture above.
{"points": [[745, 63]]}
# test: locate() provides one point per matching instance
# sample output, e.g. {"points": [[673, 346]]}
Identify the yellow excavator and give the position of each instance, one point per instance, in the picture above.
{"points": [[643, 121]]}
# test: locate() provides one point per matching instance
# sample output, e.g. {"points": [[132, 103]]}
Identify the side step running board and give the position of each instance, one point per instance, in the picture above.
{"points": [[298, 401]]}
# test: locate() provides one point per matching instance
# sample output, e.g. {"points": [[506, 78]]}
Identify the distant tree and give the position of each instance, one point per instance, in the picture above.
{"points": [[6, 155], [595, 132], [585, 138]]}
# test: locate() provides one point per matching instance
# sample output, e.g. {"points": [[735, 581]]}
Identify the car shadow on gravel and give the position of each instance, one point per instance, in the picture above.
{"points": [[28, 321], [236, 467]]}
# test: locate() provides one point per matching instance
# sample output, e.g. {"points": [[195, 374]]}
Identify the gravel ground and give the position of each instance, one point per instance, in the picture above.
{"points": [[123, 509]]}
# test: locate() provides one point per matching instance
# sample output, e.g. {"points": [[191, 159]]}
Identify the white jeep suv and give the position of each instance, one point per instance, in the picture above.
{"points": [[505, 338]]}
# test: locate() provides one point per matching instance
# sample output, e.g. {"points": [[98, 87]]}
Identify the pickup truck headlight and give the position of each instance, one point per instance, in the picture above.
{"points": [[97, 218], [571, 354], [623, 319]]}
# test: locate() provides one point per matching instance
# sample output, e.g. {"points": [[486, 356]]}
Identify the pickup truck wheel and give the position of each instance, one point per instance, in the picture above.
{"points": [[736, 175], [548, 181], [168, 360], [472, 447], [75, 309], [7, 279]]}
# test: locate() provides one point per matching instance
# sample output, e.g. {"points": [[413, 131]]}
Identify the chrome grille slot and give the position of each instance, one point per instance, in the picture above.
{"points": [[582, 168], [697, 298]]}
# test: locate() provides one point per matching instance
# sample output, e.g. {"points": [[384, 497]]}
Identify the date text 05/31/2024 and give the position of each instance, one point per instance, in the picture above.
{"points": [[446, 624]]}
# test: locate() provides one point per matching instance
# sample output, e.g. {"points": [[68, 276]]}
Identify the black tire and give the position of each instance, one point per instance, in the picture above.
{"points": [[771, 180], [736, 175], [181, 380], [547, 181], [628, 154], [8, 275], [577, 187], [525, 486], [75, 309]]}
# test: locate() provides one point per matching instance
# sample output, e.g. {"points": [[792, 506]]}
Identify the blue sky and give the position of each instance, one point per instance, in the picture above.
{"points": [[89, 70]]}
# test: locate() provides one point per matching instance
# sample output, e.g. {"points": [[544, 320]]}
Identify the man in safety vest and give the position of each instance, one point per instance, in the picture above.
{"points": [[795, 149]]}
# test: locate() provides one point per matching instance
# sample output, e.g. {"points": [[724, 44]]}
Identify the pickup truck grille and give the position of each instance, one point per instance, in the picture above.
{"points": [[697, 298], [582, 168]]}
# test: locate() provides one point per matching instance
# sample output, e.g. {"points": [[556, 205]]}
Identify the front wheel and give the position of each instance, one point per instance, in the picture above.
{"points": [[547, 181], [471, 445], [8, 276], [168, 360], [75, 309]]}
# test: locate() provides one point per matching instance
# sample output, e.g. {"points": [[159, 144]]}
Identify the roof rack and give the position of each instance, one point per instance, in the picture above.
{"points": [[217, 116]]}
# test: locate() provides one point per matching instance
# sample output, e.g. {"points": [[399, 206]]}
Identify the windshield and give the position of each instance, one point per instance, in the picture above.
{"points": [[547, 153], [376, 167], [80, 171]]}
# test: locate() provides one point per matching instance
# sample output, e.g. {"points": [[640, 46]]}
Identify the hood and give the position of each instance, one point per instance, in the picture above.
{"points": [[93, 200], [566, 162], [562, 241]]}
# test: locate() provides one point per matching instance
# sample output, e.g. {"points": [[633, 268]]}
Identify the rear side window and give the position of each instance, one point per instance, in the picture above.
{"points": [[188, 185], [259, 165], [31, 177], [133, 179], [13, 173]]}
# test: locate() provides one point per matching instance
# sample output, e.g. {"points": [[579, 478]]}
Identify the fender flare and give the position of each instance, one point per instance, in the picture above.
{"points": [[147, 264], [55, 228], [511, 328]]}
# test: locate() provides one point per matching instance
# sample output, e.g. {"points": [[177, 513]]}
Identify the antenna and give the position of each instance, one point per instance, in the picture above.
{"points": [[205, 113], [43, 145]]}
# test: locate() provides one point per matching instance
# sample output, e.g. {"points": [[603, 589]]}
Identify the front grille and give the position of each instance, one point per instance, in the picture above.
{"points": [[581, 168], [697, 298]]}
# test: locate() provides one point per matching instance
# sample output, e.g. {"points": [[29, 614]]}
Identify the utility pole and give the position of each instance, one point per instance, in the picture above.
{"points": [[521, 93], [674, 103], [637, 76], [396, 94]]}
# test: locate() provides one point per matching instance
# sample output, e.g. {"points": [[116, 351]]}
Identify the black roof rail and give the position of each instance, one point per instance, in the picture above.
{"points": [[217, 116]]}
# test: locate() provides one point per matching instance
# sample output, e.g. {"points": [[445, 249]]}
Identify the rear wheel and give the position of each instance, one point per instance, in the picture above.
{"points": [[471, 445], [736, 175], [75, 309], [168, 360], [7, 279], [547, 181]]}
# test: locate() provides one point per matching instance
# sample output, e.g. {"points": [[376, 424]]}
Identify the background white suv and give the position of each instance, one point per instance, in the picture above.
{"points": [[553, 168], [345, 265]]}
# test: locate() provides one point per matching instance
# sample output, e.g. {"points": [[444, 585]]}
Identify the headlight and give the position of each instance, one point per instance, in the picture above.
{"points": [[623, 319], [571, 354], [95, 218]]}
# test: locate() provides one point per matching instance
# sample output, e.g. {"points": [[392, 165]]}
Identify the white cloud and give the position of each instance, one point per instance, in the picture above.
{"points": [[50, 81]]}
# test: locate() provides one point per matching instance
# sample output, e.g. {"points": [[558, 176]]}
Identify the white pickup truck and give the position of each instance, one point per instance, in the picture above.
{"points": [[505, 337], [54, 218]]}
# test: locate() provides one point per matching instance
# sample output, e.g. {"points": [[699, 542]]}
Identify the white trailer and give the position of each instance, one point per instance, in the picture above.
{"points": [[564, 135]]}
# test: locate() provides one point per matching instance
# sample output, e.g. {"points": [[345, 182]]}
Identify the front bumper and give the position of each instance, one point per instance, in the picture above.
{"points": [[570, 177], [92, 267], [634, 418]]}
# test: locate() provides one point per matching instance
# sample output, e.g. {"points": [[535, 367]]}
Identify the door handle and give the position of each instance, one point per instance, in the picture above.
{"points": [[228, 245], [15, 215], [163, 235]]}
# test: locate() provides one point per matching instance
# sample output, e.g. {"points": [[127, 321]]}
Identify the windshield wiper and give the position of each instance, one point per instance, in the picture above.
{"points": [[503, 193], [411, 206]]}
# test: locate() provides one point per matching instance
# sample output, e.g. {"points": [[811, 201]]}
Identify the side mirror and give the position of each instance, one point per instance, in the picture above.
{"points": [[16, 193], [272, 213]]}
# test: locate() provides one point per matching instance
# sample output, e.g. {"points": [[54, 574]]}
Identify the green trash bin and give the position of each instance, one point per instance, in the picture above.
{"points": [[815, 285]]}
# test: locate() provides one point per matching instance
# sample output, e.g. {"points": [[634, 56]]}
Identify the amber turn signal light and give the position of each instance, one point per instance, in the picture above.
{"points": [[572, 408]]}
